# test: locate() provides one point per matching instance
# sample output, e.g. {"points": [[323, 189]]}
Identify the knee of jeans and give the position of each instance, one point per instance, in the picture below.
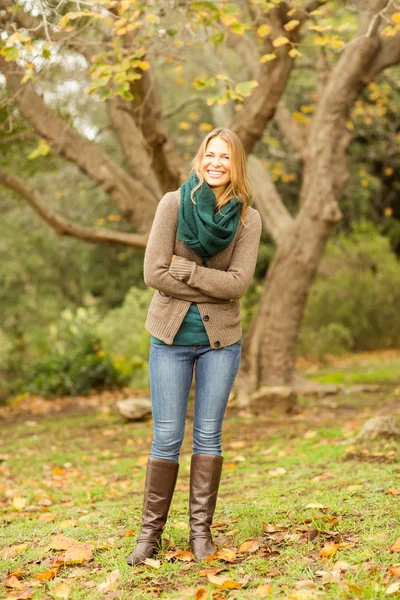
{"points": [[166, 446], [207, 442]]}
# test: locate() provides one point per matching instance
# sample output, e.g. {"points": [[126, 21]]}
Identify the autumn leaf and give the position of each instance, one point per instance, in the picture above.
{"points": [[48, 575], [249, 547], [394, 588], [11, 551], [61, 543], [21, 595], [328, 550], [19, 503], [184, 555], [396, 546], [111, 582], [13, 582], [268, 58], [225, 554], [62, 590], [68, 523], [263, 590], [152, 562], [224, 582], [201, 594], [264, 30], [47, 517], [75, 555], [211, 571], [280, 41], [395, 570], [292, 24], [277, 472]]}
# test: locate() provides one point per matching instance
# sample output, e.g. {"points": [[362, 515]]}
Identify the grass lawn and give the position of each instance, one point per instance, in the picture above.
{"points": [[302, 513]]}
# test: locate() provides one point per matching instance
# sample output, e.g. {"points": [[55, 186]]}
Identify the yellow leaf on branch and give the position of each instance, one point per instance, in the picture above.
{"points": [[290, 25], [280, 41]]}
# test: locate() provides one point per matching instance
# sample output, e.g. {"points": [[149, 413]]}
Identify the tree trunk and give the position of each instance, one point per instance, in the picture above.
{"points": [[271, 339]]}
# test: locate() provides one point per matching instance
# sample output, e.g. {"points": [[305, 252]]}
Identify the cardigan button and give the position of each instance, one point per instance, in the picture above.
{"points": [[204, 263], [217, 344], [206, 318]]}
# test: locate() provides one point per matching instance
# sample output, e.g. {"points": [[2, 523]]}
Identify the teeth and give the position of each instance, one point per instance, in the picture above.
{"points": [[215, 173]]}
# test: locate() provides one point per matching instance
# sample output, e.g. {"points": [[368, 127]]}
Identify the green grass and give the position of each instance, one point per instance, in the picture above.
{"points": [[89, 468], [375, 369]]}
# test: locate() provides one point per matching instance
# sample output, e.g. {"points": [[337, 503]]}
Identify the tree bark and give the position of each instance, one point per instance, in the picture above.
{"points": [[270, 343]]}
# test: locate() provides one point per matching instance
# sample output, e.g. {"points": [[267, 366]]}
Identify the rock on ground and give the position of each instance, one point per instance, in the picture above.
{"points": [[135, 409], [282, 399], [379, 427]]}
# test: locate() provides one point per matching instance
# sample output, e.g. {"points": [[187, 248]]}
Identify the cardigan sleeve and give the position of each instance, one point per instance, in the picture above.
{"points": [[233, 283], [158, 254]]}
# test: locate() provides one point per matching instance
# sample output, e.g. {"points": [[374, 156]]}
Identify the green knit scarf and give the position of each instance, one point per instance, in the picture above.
{"points": [[199, 228]]}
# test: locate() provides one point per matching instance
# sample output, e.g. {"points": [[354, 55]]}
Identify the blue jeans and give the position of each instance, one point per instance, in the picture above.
{"points": [[171, 372]]}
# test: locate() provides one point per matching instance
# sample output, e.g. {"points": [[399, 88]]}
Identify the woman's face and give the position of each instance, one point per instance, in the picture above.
{"points": [[216, 163]]}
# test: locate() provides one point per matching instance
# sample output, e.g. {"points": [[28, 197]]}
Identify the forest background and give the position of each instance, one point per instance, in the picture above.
{"points": [[72, 306]]}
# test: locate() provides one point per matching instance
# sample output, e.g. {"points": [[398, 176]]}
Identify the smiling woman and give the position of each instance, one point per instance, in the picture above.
{"points": [[200, 258]]}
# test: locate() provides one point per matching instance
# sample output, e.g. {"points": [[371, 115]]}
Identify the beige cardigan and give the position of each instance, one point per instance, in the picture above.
{"points": [[215, 285]]}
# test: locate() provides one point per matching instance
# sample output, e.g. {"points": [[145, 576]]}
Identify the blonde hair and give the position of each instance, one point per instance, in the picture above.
{"points": [[239, 185]]}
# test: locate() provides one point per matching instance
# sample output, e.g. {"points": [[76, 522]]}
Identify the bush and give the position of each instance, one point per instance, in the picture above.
{"points": [[353, 303], [124, 337], [77, 363]]}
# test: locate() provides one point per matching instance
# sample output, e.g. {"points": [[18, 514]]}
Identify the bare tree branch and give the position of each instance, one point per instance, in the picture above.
{"points": [[136, 203], [260, 107], [64, 227], [133, 144], [295, 133], [274, 214]]}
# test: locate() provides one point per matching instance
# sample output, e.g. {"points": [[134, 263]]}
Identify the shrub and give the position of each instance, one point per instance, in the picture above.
{"points": [[77, 363], [353, 303]]}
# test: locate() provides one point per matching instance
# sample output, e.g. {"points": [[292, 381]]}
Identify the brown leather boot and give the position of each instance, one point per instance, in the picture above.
{"points": [[205, 475], [159, 488]]}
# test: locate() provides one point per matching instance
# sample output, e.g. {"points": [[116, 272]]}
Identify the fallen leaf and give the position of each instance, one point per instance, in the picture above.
{"points": [[21, 595], [184, 555], [152, 562], [77, 572], [305, 584], [314, 505], [226, 554], [68, 523], [47, 575], [11, 551], [19, 503], [276, 472], [231, 532], [396, 546], [355, 588], [263, 590], [328, 550], [75, 555], [211, 571], [13, 582], [46, 517], [223, 582], [62, 590], [270, 528], [201, 594], [394, 588], [323, 476], [393, 491], [395, 570], [111, 582], [249, 547], [61, 543]]}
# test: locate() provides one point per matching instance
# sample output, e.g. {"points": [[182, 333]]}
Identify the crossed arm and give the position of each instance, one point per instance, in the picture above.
{"points": [[185, 279]]}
